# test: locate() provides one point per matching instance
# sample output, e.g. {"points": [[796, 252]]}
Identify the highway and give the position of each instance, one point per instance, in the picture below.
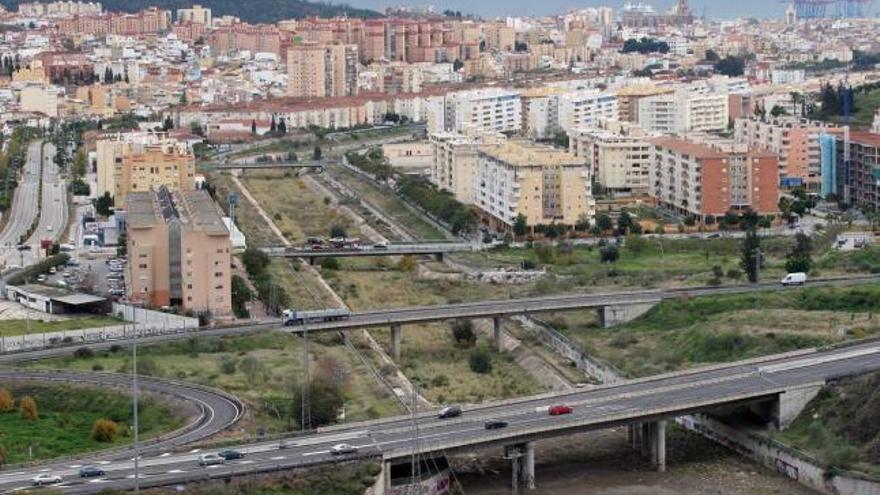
{"points": [[216, 410], [24, 209], [241, 165], [397, 249], [53, 209], [443, 312], [659, 397]]}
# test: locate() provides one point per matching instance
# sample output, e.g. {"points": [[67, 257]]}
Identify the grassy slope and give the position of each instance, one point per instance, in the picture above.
{"points": [[841, 425], [682, 333], [277, 375], [66, 416]]}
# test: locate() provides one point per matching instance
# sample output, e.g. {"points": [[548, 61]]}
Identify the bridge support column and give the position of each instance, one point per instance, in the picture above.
{"points": [[528, 467], [654, 443], [439, 257], [395, 342], [311, 260], [790, 404], [613, 315], [645, 439], [522, 466], [499, 334]]}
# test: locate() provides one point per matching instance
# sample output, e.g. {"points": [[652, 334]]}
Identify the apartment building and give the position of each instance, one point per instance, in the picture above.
{"points": [[794, 139], [859, 183], [704, 176], [179, 251], [322, 70], [537, 181], [684, 110], [497, 110], [195, 15], [540, 111], [628, 99], [585, 107], [40, 99], [136, 162], [618, 155], [454, 161]]}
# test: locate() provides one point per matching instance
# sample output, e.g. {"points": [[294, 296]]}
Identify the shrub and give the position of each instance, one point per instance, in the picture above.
{"points": [[528, 264], [28, 407], [734, 274], [480, 361], [463, 332], [97, 367], [227, 364], [609, 254], [83, 353], [407, 263], [105, 430], [7, 402], [330, 263]]}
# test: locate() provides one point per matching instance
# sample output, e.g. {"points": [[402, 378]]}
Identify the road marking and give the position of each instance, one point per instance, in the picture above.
{"points": [[103, 462], [213, 466], [74, 466], [166, 454], [277, 458], [175, 471], [99, 480], [246, 462], [314, 453], [193, 451]]}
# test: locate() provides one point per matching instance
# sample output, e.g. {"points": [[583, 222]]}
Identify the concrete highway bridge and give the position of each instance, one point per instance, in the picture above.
{"points": [[398, 249], [775, 388]]}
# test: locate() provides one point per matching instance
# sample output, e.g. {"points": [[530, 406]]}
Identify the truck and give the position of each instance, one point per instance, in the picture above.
{"points": [[293, 316], [796, 278]]}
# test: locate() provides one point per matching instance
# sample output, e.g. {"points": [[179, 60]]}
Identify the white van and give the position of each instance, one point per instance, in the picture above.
{"points": [[797, 278]]}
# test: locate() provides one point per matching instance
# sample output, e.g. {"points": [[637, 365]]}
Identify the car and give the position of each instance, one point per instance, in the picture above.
{"points": [[495, 424], [449, 412], [210, 459], [53, 270], [41, 278], [380, 245], [560, 410], [90, 472], [45, 479], [343, 448], [797, 278], [230, 454], [24, 247], [48, 228]]}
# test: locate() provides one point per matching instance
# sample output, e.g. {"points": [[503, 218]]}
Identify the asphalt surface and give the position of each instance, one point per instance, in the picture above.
{"points": [[664, 396], [53, 210], [24, 209], [424, 314], [217, 410]]}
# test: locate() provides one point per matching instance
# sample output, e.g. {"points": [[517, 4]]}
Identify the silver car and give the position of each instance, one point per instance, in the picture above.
{"points": [[343, 448]]}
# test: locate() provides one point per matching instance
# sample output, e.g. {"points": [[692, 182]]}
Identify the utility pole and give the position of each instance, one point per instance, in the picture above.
{"points": [[415, 464], [757, 257], [134, 379], [306, 405]]}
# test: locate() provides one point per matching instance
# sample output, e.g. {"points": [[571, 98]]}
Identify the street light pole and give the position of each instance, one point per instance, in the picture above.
{"points": [[134, 378]]}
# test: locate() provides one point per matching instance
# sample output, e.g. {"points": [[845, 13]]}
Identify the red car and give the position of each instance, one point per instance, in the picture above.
{"points": [[559, 410]]}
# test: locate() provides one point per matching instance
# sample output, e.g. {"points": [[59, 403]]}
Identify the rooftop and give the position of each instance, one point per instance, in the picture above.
{"points": [[195, 210], [525, 154]]}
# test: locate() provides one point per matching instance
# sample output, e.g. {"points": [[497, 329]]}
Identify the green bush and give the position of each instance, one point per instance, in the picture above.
{"points": [[480, 361]]}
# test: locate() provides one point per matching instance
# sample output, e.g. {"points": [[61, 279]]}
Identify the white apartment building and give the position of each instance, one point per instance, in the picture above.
{"points": [[787, 76], [584, 108], [617, 153], [684, 111], [495, 110]]}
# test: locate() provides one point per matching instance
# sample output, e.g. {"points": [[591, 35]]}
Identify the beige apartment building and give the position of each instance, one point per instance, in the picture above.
{"points": [[179, 251], [454, 161], [538, 181], [135, 162], [40, 99], [322, 70], [618, 155]]}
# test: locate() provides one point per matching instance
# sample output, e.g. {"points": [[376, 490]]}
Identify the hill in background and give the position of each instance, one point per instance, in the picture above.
{"points": [[252, 11]]}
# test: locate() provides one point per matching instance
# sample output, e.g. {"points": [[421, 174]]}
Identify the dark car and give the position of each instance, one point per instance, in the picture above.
{"points": [[495, 424], [90, 472], [230, 454], [449, 412]]}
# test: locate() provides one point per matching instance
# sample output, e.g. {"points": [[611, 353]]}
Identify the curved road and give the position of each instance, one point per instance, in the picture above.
{"points": [[218, 410], [24, 207], [53, 209]]}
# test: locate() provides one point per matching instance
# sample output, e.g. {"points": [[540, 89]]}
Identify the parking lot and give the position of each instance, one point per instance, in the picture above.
{"points": [[99, 275]]}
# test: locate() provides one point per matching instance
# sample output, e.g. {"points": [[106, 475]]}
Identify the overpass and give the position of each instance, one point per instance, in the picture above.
{"points": [[777, 387], [398, 249], [318, 165], [613, 308]]}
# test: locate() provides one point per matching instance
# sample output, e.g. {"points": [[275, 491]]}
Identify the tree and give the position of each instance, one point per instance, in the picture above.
{"points": [[750, 255], [316, 153], [104, 205], [105, 430], [254, 260], [712, 56], [338, 231], [777, 110], [325, 402], [80, 164], [253, 369], [28, 407], [457, 64], [609, 254], [604, 222], [731, 66], [282, 126], [7, 402], [167, 124], [463, 332], [480, 361], [241, 295], [624, 222], [254, 127], [273, 126], [799, 258], [520, 227]]}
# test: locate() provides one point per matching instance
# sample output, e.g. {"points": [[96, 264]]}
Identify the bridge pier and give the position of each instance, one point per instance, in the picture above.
{"points": [[439, 257], [790, 404], [616, 314], [499, 334], [395, 342], [311, 260], [651, 438], [522, 466]]}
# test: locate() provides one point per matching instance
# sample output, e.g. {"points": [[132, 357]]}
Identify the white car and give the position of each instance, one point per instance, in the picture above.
{"points": [[343, 448], [210, 459], [45, 479]]}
